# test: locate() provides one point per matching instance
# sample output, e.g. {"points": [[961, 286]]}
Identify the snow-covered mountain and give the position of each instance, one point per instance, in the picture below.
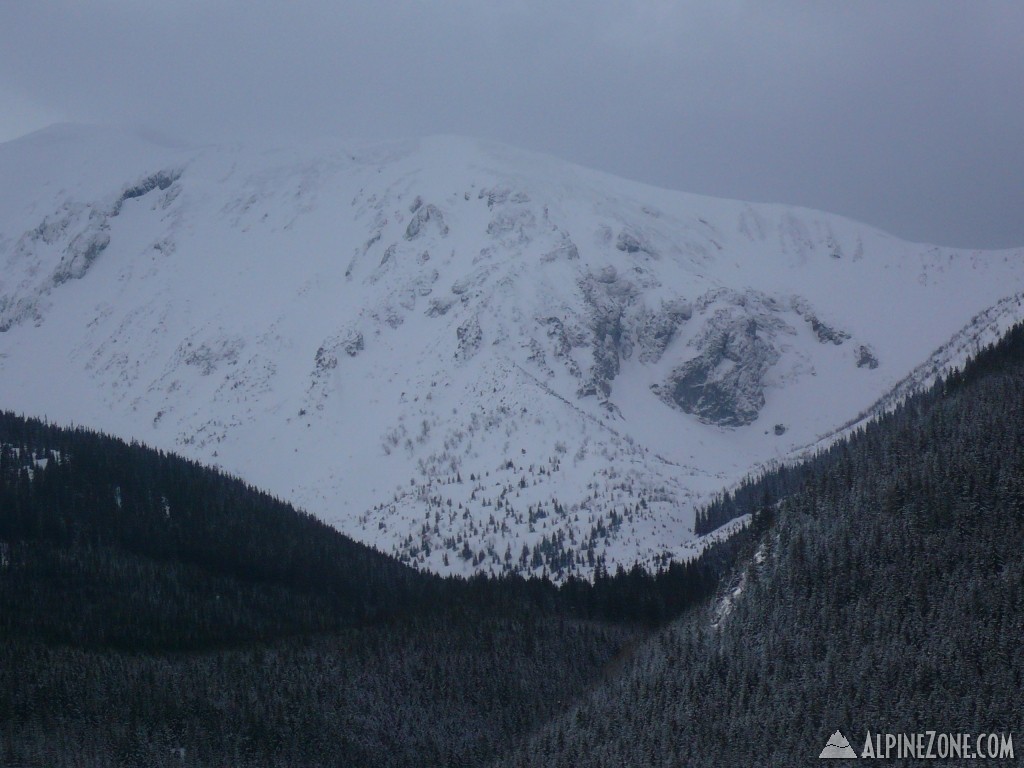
{"points": [[472, 356]]}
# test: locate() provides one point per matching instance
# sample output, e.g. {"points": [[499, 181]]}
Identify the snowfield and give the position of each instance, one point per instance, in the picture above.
{"points": [[471, 356]]}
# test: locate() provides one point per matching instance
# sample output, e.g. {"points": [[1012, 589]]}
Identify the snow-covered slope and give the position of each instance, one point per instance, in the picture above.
{"points": [[469, 355]]}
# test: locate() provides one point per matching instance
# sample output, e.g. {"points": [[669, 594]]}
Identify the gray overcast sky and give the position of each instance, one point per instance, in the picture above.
{"points": [[906, 114]]}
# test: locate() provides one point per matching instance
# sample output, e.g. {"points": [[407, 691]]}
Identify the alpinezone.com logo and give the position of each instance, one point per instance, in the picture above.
{"points": [[837, 747], [927, 745]]}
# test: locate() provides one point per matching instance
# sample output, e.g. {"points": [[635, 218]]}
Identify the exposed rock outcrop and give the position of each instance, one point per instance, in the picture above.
{"points": [[825, 333], [607, 297], [724, 384], [633, 242], [470, 336], [348, 341], [655, 329], [84, 232], [866, 357], [424, 215]]}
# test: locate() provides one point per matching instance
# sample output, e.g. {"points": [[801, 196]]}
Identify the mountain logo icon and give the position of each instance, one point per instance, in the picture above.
{"points": [[837, 747]]}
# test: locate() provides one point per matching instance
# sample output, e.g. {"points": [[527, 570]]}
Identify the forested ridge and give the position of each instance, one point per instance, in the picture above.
{"points": [[149, 604], [114, 544]]}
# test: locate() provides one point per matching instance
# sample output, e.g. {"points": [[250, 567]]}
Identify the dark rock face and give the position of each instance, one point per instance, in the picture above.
{"points": [[350, 342], [608, 297], [325, 360], [608, 341], [161, 180], [470, 336], [561, 343], [425, 214], [80, 254], [208, 356], [353, 344], [866, 357], [629, 242], [825, 333], [656, 329], [439, 307], [742, 336], [735, 341], [724, 384]]}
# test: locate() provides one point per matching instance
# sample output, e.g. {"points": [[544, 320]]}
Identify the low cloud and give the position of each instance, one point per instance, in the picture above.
{"points": [[905, 115]]}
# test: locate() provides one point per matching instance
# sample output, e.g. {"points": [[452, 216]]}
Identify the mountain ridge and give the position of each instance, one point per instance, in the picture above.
{"points": [[529, 365]]}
